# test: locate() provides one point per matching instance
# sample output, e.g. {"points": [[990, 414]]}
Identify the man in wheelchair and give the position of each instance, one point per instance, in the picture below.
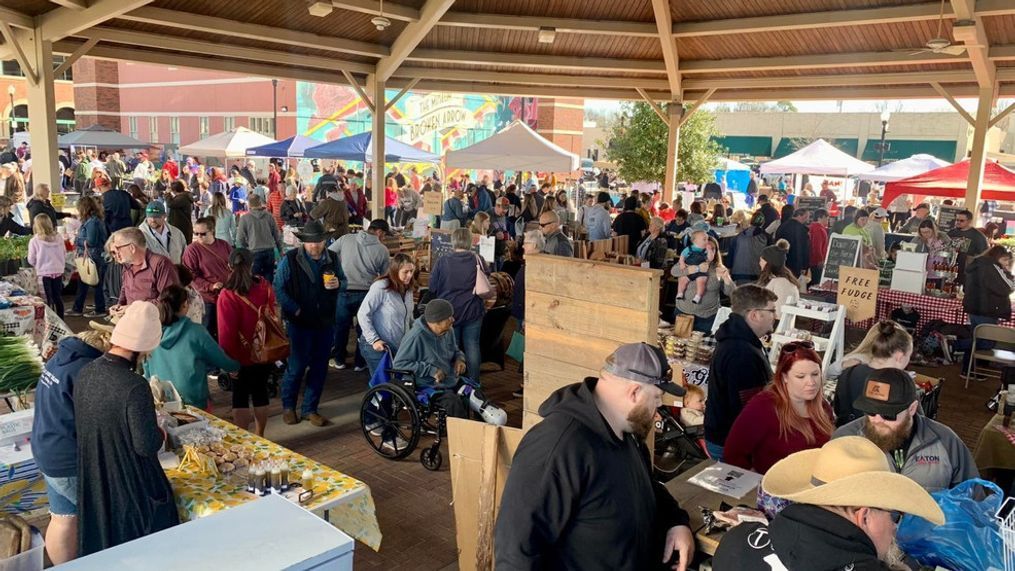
{"points": [[430, 352]]}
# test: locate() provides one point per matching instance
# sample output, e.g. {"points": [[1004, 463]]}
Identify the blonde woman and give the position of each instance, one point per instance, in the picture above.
{"points": [[481, 224], [47, 254], [719, 279]]}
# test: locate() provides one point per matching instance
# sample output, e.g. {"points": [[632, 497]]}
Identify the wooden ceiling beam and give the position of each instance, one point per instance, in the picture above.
{"points": [[17, 44], [208, 62], [562, 25], [75, 56], [71, 4], [860, 79], [864, 59], [411, 36], [531, 78], [274, 34], [214, 49], [969, 31], [534, 60], [393, 11], [524, 90], [664, 25], [18, 19], [844, 93], [64, 22]]}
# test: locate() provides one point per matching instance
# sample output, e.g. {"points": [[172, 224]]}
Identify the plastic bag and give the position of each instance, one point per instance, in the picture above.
{"points": [[970, 539]]}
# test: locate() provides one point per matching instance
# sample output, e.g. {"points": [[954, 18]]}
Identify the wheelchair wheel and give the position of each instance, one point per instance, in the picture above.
{"points": [[390, 421], [431, 458]]}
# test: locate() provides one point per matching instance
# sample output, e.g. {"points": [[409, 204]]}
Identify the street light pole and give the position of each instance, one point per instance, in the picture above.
{"points": [[882, 146], [274, 109]]}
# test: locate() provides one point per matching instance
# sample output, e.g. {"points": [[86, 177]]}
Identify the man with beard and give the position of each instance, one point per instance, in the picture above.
{"points": [[846, 504], [923, 449], [580, 494]]}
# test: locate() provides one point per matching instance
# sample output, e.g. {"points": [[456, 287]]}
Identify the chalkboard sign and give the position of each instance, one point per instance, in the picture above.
{"points": [[440, 244], [842, 251], [811, 203], [946, 217]]}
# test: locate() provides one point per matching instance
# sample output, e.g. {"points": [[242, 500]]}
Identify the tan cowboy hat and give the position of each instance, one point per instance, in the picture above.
{"points": [[849, 472]]}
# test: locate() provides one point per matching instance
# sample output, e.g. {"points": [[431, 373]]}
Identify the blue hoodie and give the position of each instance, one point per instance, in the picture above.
{"points": [[184, 357], [54, 439]]}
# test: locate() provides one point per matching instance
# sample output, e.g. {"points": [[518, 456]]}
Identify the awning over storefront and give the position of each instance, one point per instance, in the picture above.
{"points": [[899, 149], [746, 145], [790, 145]]}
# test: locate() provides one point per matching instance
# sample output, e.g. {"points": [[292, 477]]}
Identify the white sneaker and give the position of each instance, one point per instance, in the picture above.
{"points": [[395, 445], [357, 369], [336, 365], [375, 429]]}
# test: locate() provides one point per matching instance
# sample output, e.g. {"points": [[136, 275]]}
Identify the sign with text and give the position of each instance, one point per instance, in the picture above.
{"points": [[946, 217], [858, 291], [433, 203], [842, 251], [811, 203]]}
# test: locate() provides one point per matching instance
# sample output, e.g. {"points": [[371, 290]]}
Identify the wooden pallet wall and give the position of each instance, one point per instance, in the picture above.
{"points": [[576, 313]]}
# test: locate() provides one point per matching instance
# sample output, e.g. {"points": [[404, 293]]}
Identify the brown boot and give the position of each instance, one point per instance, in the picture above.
{"points": [[289, 416], [317, 420]]}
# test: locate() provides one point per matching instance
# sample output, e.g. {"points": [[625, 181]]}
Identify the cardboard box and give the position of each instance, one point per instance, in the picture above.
{"points": [[909, 280], [911, 261]]}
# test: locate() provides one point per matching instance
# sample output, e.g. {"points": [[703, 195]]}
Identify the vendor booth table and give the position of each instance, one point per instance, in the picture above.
{"points": [[340, 499], [929, 307], [690, 496]]}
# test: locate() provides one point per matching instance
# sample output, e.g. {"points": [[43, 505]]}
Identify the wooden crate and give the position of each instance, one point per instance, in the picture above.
{"points": [[576, 313]]}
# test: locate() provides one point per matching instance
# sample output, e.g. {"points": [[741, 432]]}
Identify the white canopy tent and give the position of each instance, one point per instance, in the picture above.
{"points": [[515, 148], [914, 165], [818, 158], [229, 144], [731, 165]]}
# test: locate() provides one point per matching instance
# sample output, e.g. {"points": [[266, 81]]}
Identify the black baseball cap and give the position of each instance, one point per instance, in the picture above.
{"points": [[886, 392], [643, 363], [922, 205], [380, 224]]}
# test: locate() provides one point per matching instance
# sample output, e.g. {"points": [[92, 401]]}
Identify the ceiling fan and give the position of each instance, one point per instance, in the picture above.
{"points": [[380, 22], [939, 44]]}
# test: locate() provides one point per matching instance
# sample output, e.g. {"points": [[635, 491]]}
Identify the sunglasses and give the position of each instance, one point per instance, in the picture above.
{"points": [[545, 224], [890, 417], [794, 346], [895, 515], [201, 233]]}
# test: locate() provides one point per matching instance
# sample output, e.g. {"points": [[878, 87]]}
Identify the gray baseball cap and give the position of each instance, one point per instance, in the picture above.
{"points": [[643, 363]]}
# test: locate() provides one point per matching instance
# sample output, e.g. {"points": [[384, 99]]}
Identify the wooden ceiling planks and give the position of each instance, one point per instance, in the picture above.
{"points": [[29, 7], [467, 68], [527, 42], [705, 10], [1000, 29], [630, 10]]}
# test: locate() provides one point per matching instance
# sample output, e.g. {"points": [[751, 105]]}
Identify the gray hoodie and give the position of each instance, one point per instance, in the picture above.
{"points": [[257, 231], [423, 352], [361, 260]]}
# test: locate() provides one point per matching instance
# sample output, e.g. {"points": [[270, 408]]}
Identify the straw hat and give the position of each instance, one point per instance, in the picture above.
{"points": [[849, 472]]}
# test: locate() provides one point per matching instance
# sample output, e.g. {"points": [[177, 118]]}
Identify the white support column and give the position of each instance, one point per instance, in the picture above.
{"points": [[376, 86], [42, 111], [978, 156], [675, 110]]}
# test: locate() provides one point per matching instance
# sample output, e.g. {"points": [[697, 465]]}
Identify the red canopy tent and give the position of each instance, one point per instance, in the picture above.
{"points": [[950, 181]]}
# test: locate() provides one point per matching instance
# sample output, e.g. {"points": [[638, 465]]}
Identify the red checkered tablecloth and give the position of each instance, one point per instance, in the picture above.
{"points": [[929, 307]]}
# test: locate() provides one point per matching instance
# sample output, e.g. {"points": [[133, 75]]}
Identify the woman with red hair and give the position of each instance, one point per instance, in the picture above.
{"points": [[790, 415]]}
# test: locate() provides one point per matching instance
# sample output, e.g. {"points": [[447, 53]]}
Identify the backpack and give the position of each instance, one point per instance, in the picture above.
{"points": [[269, 342]]}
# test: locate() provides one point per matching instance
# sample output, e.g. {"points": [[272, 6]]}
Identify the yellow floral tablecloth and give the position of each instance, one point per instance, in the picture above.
{"points": [[348, 501]]}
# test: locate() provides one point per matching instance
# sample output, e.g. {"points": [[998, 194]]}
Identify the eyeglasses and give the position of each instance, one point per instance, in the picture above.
{"points": [[117, 248], [794, 346], [545, 224], [772, 309], [895, 515], [201, 233]]}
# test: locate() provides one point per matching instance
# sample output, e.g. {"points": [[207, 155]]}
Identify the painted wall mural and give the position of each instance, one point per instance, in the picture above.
{"points": [[435, 122]]}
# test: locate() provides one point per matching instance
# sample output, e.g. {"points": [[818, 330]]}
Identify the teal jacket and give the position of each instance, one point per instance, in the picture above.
{"points": [[184, 357]]}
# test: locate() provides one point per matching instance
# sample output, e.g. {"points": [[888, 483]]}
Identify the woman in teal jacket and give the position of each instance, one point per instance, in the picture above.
{"points": [[187, 352]]}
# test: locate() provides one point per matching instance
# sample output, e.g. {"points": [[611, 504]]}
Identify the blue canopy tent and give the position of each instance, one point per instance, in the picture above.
{"points": [[292, 147], [736, 175], [359, 148]]}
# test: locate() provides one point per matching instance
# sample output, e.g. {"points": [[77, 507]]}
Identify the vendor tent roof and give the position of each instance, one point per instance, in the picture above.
{"points": [[360, 148], [230, 144], [913, 166], [291, 147], [731, 165], [818, 158], [100, 137], [950, 181], [516, 147]]}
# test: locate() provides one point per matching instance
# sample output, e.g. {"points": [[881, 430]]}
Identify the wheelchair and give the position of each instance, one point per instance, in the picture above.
{"points": [[396, 414]]}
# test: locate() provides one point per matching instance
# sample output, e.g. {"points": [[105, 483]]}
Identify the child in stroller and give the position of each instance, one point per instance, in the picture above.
{"points": [[679, 442]]}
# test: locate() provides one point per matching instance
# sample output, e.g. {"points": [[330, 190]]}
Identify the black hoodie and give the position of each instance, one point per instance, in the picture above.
{"points": [[802, 537], [739, 370], [578, 497]]}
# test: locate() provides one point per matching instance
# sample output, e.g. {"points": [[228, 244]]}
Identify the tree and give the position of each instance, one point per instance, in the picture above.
{"points": [[638, 145]]}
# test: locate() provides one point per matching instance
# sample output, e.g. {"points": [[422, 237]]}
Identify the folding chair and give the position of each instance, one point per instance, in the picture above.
{"points": [[1005, 356]]}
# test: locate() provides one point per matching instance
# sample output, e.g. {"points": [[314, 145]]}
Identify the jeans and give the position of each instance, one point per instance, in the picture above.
{"points": [[966, 345], [62, 494], [112, 282], [308, 354], [714, 450], [373, 358], [345, 309], [100, 297], [54, 293], [467, 335], [264, 264], [211, 320]]}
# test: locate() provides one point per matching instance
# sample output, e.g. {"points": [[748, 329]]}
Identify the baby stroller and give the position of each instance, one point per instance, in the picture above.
{"points": [[395, 413], [676, 448]]}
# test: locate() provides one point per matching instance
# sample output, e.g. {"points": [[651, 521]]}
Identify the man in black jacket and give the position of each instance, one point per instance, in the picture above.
{"points": [[833, 523], [739, 368], [769, 211], [580, 494], [796, 232]]}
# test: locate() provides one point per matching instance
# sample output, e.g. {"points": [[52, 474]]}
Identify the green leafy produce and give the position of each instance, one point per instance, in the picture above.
{"points": [[20, 364], [14, 247]]}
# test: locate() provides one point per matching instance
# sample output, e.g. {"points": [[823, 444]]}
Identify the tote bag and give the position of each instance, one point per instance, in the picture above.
{"points": [[88, 272]]}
